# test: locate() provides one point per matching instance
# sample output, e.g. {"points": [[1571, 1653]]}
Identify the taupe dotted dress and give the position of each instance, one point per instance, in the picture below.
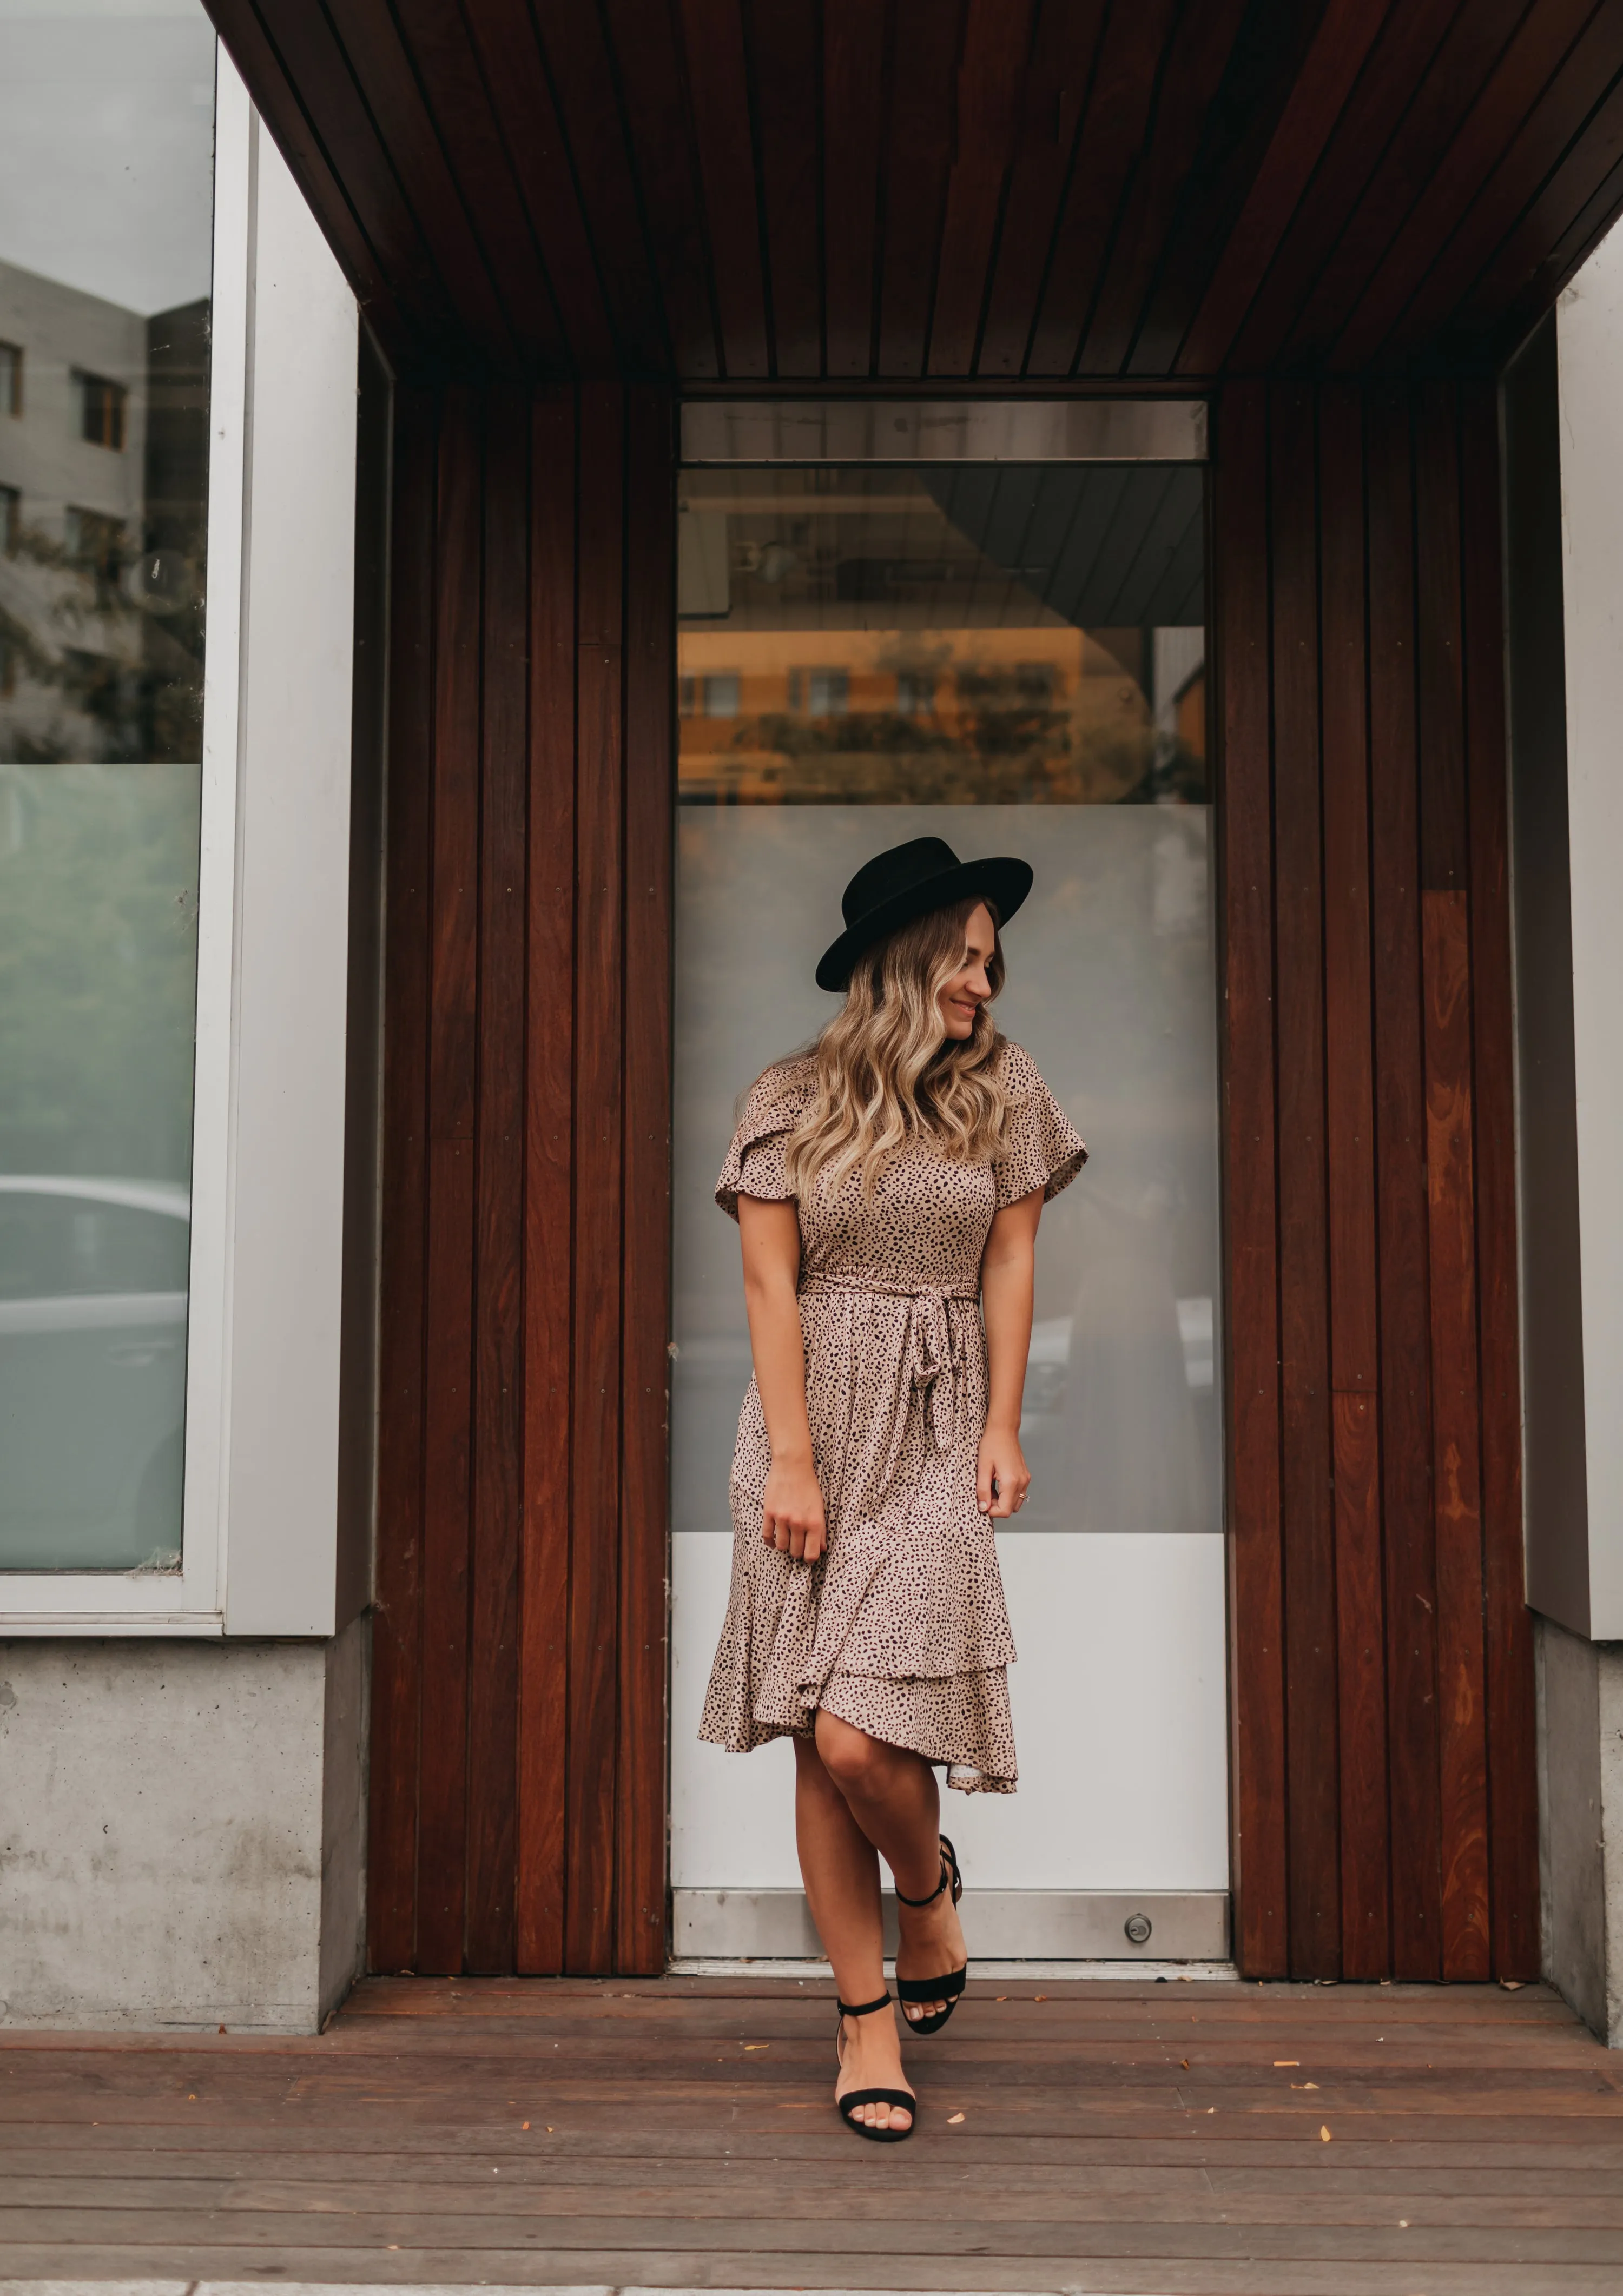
{"points": [[900, 1629]]}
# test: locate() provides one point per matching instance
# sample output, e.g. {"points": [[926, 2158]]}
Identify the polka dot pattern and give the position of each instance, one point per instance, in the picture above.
{"points": [[901, 1629]]}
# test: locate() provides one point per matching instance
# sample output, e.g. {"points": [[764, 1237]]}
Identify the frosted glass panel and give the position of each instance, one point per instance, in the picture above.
{"points": [[1110, 988], [106, 212]]}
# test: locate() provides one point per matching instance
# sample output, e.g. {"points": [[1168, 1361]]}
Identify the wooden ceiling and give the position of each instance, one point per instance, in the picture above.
{"points": [[747, 190]]}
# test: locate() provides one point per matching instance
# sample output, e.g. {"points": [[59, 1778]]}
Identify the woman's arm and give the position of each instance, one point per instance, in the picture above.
{"points": [[792, 1519], [1008, 1272]]}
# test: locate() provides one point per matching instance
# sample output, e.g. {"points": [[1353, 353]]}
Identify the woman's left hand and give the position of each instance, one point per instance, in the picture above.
{"points": [[1001, 1476]]}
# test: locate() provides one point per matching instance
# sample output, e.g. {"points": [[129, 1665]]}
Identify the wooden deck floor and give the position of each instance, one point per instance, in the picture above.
{"points": [[1162, 2139]]}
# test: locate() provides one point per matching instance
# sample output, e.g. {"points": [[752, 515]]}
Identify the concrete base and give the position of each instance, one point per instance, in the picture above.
{"points": [[182, 1831], [1580, 1804]]}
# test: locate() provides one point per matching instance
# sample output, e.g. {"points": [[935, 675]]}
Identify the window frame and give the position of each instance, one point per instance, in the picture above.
{"points": [[260, 1499]]}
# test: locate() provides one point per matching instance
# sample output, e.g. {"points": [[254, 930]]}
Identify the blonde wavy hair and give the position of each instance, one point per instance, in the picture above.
{"points": [[886, 1078]]}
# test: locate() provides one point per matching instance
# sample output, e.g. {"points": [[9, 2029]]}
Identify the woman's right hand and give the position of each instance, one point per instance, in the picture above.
{"points": [[792, 1515]]}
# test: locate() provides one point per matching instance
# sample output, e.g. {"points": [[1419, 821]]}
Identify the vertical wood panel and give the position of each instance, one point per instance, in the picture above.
{"points": [[549, 1207], [443, 1832], [1310, 1560], [498, 1489], [1463, 1749], [1256, 1587], [1400, 1120], [1512, 1779], [1456, 1440], [645, 1290], [397, 1614], [594, 1589], [1354, 1349]]}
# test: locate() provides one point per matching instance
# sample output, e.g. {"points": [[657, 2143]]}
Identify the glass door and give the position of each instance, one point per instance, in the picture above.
{"points": [[1011, 655]]}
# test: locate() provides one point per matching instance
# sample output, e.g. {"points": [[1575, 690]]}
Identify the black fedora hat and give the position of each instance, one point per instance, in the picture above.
{"points": [[909, 881]]}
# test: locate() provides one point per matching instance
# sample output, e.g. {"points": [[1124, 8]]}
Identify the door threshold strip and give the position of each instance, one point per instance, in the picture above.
{"points": [[810, 1972]]}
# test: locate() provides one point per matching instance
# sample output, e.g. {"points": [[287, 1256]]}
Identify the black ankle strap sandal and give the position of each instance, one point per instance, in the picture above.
{"points": [[845, 2104], [947, 1988]]}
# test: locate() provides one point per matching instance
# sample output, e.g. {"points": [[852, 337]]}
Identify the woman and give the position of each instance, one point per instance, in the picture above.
{"points": [[887, 1186]]}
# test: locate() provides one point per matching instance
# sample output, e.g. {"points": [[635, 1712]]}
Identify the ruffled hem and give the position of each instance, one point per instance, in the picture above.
{"points": [[958, 1721]]}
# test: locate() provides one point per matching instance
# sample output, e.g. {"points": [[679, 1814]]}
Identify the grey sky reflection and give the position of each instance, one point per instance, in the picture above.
{"points": [[106, 146]]}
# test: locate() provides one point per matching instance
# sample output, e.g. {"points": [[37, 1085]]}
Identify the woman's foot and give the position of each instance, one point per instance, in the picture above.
{"points": [[931, 1944], [871, 2057]]}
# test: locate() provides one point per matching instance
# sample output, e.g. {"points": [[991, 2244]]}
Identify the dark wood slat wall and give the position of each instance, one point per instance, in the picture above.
{"points": [[1385, 1811], [984, 190], [517, 1818]]}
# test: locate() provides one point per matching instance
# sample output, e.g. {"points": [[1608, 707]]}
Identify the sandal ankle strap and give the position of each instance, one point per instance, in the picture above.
{"points": [[867, 2008], [945, 1877]]}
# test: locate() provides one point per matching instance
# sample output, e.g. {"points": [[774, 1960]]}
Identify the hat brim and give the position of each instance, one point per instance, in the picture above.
{"points": [[1004, 882]]}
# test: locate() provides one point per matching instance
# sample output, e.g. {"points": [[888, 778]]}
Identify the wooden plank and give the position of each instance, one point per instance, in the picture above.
{"points": [[1536, 249], [785, 54], [1347, 31], [1477, 186], [1442, 103], [647, 62], [1251, 1330], [717, 91], [1054, 100], [596, 59], [1400, 1128], [594, 1591], [1455, 1425], [439, 49], [1307, 1513], [1118, 108], [915, 160], [548, 1190], [1456, 1464], [397, 1612], [1188, 85], [1512, 1732], [521, 96], [640, 1790], [452, 1066], [986, 118], [852, 85], [1350, 1078], [1274, 44], [1394, 66], [499, 1459], [1554, 271], [377, 58], [362, 230], [1354, 1317]]}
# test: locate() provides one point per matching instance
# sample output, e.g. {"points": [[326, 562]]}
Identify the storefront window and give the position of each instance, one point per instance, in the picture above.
{"points": [[106, 181], [1012, 658]]}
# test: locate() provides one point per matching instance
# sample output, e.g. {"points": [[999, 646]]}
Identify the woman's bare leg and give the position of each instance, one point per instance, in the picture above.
{"points": [[840, 1872], [891, 1795]]}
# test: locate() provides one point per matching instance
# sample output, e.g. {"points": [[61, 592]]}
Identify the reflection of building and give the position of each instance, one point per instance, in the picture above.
{"points": [[1043, 713], [103, 450]]}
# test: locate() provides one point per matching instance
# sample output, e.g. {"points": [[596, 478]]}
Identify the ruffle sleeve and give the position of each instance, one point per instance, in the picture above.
{"points": [[754, 1156], [1042, 1147]]}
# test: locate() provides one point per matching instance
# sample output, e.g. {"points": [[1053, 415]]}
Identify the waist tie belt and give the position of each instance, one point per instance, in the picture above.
{"points": [[932, 1359]]}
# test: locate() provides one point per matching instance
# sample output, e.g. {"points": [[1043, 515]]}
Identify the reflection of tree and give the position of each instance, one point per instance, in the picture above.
{"points": [[103, 631]]}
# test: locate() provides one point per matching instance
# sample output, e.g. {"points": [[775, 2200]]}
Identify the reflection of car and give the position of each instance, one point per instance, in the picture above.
{"points": [[93, 1329]]}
